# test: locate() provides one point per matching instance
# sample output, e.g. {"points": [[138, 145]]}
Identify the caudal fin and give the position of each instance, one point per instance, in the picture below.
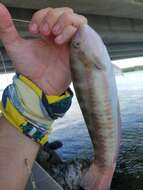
{"points": [[97, 178]]}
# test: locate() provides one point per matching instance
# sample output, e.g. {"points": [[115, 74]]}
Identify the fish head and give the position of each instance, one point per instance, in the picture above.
{"points": [[88, 46]]}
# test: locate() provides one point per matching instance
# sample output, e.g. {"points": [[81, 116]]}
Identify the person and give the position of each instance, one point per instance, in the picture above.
{"points": [[44, 72], [44, 61]]}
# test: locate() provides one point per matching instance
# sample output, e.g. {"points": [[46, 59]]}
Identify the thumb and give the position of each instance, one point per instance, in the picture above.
{"points": [[8, 32]]}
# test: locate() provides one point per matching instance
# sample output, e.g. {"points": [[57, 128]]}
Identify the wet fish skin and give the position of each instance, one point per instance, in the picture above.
{"points": [[95, 87]]}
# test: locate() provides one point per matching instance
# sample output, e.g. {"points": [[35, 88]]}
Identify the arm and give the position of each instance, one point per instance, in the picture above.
{"points": [[19, 151], [14, 149], [36, 59]]}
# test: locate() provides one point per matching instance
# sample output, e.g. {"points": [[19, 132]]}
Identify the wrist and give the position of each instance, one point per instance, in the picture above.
{"points": [[53, 88], [30, 110]]}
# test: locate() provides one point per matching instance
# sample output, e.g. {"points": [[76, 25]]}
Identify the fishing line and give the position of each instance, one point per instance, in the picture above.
{"points": [[20, 20], [26, 23]]}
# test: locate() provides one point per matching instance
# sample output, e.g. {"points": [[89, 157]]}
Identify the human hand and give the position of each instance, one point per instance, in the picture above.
{"points": [[45, 61]]}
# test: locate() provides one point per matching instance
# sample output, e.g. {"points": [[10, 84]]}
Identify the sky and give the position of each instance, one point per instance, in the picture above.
{"points": [[5, 79]]}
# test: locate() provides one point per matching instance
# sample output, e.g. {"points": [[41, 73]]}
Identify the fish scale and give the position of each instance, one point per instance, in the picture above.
{"points": [[96, 91]]}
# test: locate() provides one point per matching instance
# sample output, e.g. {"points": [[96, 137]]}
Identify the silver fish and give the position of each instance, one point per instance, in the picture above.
{"points": [[95, 87]]}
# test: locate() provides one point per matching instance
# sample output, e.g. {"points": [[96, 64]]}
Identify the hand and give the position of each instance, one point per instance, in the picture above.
{"points": [[98, 178], [45, 61]]}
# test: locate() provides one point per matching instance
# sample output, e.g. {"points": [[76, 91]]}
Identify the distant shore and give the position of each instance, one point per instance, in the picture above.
{"points": [[131, 69]]}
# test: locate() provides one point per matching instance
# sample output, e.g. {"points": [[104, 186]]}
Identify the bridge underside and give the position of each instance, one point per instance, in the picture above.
{"points": [[119, 23]]}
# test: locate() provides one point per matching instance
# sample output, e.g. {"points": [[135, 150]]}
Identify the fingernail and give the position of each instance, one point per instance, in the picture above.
{"points": [[34, 27], [45, 28], [56, 29], [59, 39]]}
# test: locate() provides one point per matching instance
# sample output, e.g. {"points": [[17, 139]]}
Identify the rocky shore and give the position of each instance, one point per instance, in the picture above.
{"points": [[69, 173]]}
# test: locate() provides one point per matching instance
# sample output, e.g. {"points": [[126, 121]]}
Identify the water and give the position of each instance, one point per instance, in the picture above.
{"points": [[72, 131]]}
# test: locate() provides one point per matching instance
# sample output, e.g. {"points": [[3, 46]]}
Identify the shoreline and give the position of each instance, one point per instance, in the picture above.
{"points": [[132, 69]]}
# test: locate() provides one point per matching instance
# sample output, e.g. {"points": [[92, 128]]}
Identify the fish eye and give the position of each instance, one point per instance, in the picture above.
{"points": [[76, 44]]}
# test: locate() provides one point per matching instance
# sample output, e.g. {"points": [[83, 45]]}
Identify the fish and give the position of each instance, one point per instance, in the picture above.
{"points": [[95, 87]]}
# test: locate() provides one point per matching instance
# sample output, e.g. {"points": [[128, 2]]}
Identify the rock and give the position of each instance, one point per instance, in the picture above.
{"points": [[128, 174], [69, 173], [47, 154]]}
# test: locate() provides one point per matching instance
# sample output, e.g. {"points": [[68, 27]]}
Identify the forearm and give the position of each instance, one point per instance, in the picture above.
{"points": [[24, 111], [15, 148]]}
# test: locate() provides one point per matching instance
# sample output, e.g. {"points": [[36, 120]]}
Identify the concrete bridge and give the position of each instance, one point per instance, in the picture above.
{"points": [[120, 23]]}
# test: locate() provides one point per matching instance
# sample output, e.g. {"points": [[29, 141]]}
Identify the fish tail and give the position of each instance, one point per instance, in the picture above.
{"points": [[98, 178]]}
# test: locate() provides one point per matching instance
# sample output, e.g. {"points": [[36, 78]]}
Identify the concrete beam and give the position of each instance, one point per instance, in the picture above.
{"points": [[122, 36], [122, 8]]}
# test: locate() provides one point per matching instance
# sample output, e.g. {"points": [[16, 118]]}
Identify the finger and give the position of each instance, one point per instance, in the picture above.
{"points": [[37, 19], [51, 18], [44, 19], [68, 19], [8, 32], [66, 35], [48, 22]]}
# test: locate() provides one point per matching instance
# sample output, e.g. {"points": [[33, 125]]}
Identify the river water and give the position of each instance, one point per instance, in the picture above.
{"points": [[71, 129]]}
